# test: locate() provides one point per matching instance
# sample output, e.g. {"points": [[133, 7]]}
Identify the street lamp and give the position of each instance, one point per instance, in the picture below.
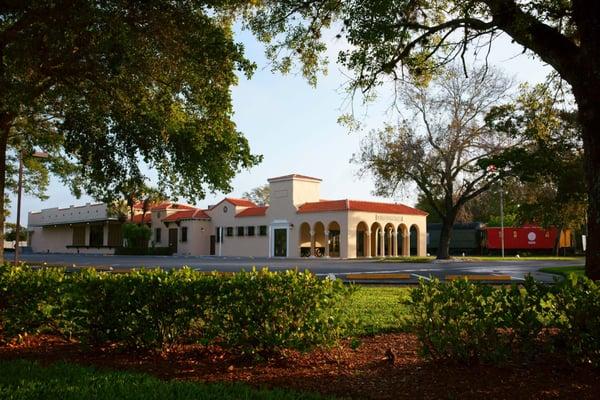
{"points": [[37, 154]]}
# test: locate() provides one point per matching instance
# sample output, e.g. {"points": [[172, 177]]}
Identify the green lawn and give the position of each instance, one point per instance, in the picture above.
{"points": [[564, 271], [524, 258], [412, 259], [376, 309], [26, 380]]}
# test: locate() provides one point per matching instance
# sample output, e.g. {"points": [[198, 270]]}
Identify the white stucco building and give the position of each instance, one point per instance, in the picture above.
{"points": [[297, 223]]}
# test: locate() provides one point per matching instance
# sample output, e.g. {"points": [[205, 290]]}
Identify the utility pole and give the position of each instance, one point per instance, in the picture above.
{"points": [[502, 216], [19, 190], [37, 154]]}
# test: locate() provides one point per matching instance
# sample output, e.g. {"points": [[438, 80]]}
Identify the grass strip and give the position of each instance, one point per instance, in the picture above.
{"points": [[26, 380], [373, 310], [565, 271]]}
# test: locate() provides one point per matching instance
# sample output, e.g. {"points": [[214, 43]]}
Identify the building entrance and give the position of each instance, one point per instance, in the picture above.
{"points": [[280, 242]]}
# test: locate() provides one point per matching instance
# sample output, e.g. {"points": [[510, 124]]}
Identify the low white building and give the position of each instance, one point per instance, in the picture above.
{"points": [[296, 223]]}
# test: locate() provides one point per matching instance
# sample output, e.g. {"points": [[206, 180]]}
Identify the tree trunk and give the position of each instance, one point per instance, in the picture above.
{"points": [[443, 252], [559, 230], [588, 102]]}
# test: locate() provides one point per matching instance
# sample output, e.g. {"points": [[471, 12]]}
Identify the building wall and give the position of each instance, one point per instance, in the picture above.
{"points": [[55, 239], [198, 237]]}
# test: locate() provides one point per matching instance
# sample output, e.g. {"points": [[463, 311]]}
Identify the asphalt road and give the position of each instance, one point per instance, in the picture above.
{"points": [[517, 270]]}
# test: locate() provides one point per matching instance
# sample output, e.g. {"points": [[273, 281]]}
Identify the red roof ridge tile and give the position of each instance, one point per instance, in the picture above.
{"points": [[258, 211]]}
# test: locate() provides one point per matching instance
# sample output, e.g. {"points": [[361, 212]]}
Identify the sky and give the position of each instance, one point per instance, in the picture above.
{"points": [[294, 126]]}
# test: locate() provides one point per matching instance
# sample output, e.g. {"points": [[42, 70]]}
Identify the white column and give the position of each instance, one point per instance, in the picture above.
{"points": [[381, 243], [367, 244], [312, 244], [327, 244], [394, 243]]}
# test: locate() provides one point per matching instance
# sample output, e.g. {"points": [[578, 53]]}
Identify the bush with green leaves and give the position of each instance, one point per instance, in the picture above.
{"points": [[464, 321], [457, 320], [256, 312], [261, 311], [31, 301], [136, 236], [576, 314]]}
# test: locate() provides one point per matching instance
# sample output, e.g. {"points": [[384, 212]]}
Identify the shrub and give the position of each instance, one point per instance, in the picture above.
{"points": [[136, 236], [261, 312], [257, 312], [31, 300], [457, 320], [576, 311]]}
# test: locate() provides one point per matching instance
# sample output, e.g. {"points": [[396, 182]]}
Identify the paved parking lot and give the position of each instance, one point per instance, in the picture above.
{"points": [[516, 270]]}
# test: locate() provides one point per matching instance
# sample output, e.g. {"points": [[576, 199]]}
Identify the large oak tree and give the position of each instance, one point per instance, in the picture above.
{"points": [[387, 38], [106, 86]]}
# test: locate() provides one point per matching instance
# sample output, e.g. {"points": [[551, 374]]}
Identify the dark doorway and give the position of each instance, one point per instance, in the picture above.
{"points": [[173, 239], [213, 240], [280, 242]]}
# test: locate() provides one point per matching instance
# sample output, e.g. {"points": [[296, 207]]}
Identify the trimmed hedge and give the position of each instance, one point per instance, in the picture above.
{"points": [[256, 312], [468, 322]]}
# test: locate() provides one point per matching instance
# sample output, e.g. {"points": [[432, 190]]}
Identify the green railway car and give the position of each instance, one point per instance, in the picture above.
{"points": [[465, 238]]}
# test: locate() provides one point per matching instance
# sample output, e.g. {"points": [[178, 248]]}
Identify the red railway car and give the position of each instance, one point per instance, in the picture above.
{"points": [[527, 237]]}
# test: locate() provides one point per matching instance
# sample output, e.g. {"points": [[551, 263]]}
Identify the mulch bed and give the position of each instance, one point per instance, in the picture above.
{"points": [[364, 373]]}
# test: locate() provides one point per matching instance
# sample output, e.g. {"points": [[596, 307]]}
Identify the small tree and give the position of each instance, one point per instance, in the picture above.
{"points": [[442, 149], [259, 195], [136, 236]]}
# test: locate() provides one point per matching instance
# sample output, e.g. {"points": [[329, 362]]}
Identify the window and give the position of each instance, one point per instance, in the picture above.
{"points": [[157, 235], [515, 234], [250, 231], [229, 231], [184, 234], [240, 231], [262, 230], [96, 235]]}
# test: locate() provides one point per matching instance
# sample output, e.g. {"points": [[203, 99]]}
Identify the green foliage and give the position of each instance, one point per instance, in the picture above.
{"points": [[11, 232], [26, 380], [262, 311], [576, 311], [114, 84], [137, 236], [31, 301], [372, 310], [255, 313], [467, 322], [259, 195]]}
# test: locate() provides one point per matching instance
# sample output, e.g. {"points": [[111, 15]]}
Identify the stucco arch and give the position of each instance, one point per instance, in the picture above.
{"points": [[320, 239], [415, 239], [402, 240], [305, 240], [376, 230], [363, 245], [333, 248]]}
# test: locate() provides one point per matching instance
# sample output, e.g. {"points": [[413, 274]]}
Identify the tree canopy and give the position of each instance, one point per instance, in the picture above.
{"points": [[444, 149], [108, 87]]}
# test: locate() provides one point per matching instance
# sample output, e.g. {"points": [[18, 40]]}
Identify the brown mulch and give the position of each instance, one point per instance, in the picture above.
{"points": [[364, 373]]}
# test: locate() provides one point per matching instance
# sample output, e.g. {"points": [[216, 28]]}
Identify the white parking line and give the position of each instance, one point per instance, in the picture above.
{"points": [[421, 276]]}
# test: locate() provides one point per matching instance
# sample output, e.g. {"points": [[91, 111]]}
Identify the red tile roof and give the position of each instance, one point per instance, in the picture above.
{"points": [[253, 212], [356, 205], [293, 176], [194, 213], [137, 218], [168, 204], [240, 202]]}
